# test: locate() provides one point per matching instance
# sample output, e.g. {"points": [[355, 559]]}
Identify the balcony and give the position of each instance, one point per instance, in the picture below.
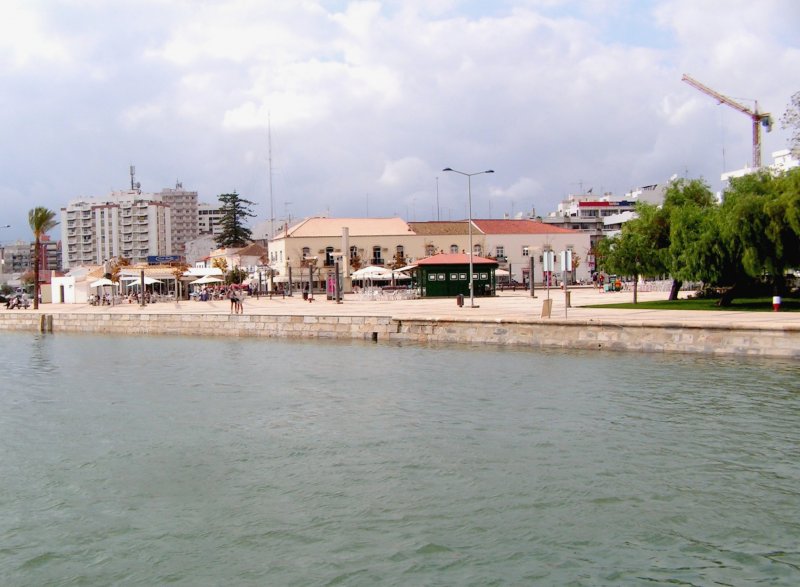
{"points": [[377, 261]]}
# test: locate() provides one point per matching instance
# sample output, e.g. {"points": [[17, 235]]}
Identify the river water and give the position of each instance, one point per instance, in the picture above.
{"points": [[156, 460]]}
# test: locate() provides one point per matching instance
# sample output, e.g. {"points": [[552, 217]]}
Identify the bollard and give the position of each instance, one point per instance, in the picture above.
{"points": [[776, 303], [460, 300]]}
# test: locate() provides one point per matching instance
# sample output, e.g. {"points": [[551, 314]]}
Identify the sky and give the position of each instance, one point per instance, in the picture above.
{"points": [[353, 108]]}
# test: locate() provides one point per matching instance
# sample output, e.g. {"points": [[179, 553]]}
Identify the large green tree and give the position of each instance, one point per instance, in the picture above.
{"points": [[235, 211], [686, 204], [760, 221], [748, 241], [635, 251], [42, 220]]}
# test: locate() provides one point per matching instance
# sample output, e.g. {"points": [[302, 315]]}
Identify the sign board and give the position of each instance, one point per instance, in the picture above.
{"points": [[548, 260], [566, 260], [158, 260]]}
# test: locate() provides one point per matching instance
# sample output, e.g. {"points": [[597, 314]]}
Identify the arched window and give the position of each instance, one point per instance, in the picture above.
{"points": [[306, 252], [454, 248], [430, 250], [477, 249]]}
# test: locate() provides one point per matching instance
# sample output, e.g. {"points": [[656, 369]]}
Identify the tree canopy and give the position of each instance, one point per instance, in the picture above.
{"points": [[235, 211], [749, 241]]}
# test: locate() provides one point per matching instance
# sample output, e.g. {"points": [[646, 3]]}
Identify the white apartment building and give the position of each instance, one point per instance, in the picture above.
{"points": [[184, 211], [587, 211], [208, 219], [782, 161], [125, 224]]}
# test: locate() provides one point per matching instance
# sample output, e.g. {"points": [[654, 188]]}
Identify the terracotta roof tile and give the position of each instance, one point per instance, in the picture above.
{"points": [[440, 228], [519, 227]]}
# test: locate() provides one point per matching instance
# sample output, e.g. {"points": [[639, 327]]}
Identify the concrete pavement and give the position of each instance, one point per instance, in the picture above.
{"points": [[507, 306]]}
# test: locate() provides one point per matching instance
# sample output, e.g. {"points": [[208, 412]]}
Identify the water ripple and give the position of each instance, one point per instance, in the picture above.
{"points": [[141, 461]]}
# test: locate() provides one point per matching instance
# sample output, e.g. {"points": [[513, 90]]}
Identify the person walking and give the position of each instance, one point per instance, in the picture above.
{"points": [[234, 301]]}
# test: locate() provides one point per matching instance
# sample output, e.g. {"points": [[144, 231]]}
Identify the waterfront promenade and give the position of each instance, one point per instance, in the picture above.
{"points": [[511, 318], [508, 305]]}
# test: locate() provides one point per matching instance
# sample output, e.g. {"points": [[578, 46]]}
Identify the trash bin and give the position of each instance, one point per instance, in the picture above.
{"points": [[460, 300]]}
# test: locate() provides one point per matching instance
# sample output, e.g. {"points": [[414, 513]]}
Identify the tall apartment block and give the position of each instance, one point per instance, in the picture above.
{"points": [[125, 224], [18, 257], [208, 219], [184, 208]]}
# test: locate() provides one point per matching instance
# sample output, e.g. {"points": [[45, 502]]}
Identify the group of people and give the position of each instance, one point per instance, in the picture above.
{"points": [[614, 282], [236, 301], [96, 300], [18, 301]]}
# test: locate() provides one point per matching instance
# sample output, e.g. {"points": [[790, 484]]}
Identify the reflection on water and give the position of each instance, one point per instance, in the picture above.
{"points": [[252, 462]]}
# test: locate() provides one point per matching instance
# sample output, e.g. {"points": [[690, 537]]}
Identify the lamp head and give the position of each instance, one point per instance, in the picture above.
{"points": [[447, 169]]}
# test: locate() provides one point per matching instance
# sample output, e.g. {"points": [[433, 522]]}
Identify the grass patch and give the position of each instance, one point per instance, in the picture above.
{"points": [[738, 305]]}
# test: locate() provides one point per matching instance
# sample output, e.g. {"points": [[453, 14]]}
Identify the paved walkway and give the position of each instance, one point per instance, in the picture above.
{"points": [[518, 306]]}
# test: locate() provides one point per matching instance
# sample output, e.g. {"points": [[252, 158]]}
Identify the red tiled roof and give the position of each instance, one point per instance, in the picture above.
{"points": [[455, 259], [439, 228], [252, 250], [519, 227]]}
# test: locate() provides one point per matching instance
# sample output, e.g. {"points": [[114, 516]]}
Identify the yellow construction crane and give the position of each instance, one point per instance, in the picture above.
{"points": [[759, 119]]}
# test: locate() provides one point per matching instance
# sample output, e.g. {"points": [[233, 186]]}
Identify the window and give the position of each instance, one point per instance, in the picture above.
{"points": [[477, 250], [454, 248], [430, 250], [329, 257], [526, 251], [306, 252], [353, 252], [501, 252], [376, 255]]}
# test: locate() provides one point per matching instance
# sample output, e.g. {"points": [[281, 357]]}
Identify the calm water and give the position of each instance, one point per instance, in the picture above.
{"points": [[147, 461]]}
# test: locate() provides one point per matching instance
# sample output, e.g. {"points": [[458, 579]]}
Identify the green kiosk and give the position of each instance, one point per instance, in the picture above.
{"points": [[447, 275]]}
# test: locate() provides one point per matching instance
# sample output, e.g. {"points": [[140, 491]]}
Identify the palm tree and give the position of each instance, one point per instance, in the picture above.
{"points": [[42, 221]]}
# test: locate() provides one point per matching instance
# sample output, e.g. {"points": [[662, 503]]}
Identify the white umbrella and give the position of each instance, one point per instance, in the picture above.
{"points": [[101, 282], [369, 272], [206, 279], [389, 275], [501, 273], [136, 279]]}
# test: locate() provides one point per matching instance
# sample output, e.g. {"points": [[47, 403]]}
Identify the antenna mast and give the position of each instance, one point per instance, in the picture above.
{"points": [[135, 185], [271, 198]]}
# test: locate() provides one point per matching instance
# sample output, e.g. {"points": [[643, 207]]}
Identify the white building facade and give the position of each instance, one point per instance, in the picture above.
{"points": [[126, 224], [208, 219], [184, 216]]}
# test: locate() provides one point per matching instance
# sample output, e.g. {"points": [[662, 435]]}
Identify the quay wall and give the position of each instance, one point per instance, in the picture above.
{"points": [[594, 335]]}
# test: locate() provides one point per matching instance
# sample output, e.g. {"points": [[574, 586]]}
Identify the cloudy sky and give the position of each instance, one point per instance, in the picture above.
{"points": [[367, 101]]}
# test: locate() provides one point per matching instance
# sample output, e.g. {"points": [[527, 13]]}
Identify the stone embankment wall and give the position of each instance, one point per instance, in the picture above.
{"points": [[716, 340]]}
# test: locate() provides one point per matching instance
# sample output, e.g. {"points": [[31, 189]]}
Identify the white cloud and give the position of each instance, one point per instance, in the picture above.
{"points": [[25, 39], [370, 100]]}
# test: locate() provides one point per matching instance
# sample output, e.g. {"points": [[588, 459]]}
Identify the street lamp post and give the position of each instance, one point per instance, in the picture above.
{"points": [[469, 228]]}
